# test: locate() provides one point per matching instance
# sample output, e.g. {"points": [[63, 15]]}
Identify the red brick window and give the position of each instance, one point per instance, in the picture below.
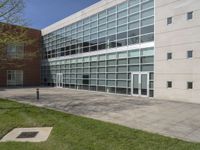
{"points": [[15, 50]]}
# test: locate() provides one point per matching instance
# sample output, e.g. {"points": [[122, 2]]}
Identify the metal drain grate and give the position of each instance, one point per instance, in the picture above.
{"points": [[27, 135]]}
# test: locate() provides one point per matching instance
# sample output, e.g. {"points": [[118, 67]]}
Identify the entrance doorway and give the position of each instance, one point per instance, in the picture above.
{"points": [[140, 84], [59, 80]]}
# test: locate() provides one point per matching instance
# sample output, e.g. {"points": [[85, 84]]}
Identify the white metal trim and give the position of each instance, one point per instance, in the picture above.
{"points": [[139, 83], [59, 80]]}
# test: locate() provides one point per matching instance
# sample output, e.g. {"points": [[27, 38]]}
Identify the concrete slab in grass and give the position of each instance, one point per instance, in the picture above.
{"points": [[27, 135]]}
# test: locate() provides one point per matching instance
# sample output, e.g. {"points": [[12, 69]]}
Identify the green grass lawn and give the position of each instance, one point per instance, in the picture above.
{"points": [[78, 133]]}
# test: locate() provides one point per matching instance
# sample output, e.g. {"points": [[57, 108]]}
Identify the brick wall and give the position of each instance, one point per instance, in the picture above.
{"points": [[30, 64]]}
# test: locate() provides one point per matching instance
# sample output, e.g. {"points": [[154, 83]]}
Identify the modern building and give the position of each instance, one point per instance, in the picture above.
{"points": [[136, 47], [19, 56], [107, 47], [146, 48]]}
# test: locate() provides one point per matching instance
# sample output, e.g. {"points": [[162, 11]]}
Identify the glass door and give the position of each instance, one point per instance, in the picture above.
{"points": [[144, 85], [59, 80], [140, 84], [135, 84]]}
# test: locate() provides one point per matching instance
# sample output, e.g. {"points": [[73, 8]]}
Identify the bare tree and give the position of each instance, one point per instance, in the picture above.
{"points": [[11, 11]]}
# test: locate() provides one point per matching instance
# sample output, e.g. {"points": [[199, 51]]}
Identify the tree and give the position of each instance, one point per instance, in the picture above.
{"points": [[11, 11], [12, 30]]}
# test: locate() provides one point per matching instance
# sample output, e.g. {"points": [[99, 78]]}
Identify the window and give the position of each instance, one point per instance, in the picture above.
{"points": [[15, 50], [133, 25], [189, 85], [134, 17], [169, 56], [169, 84], [133, 33], [147, 21], [169, 20], [147, 38], [14, 77], [147, 4], [189, 54], [134, 9], [133, 2], [102, 14], [147, 13], [122, 6], [148, 29], [122, 28], [111, 10], [86, 79], [111, 18], [122, 14], [189, 15], [93, 18]]}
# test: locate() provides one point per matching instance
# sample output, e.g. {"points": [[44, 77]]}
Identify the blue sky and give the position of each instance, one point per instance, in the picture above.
{"points": [[41, 13]]}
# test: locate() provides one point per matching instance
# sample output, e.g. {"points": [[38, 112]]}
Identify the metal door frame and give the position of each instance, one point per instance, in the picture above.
{"points": [[139, 83], [59, 80]]}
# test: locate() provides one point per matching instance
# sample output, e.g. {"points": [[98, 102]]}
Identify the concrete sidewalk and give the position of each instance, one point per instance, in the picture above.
{"points": [[174, 119]]}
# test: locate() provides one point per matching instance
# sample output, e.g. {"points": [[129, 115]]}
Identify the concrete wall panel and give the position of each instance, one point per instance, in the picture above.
{"points": [[179, 37]]}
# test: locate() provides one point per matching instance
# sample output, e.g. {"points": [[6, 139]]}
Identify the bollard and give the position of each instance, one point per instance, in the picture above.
{"points": [[38, 94]]}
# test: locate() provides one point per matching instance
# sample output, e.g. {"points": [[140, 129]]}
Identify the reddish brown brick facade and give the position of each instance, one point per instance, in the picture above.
{"points": [[30, 64]]}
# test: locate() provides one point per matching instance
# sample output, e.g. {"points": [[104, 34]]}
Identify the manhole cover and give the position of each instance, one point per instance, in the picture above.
{"points": [[27, 135]]}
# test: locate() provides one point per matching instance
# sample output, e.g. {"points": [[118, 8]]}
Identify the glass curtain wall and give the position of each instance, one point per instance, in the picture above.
{"points": [[131, 22], [128, 23], [107, 72]]}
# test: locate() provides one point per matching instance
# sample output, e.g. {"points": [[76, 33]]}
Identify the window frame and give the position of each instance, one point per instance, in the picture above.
{"points": [[190, 85], [169, 20], [169, 54], [190, 15], [189, 54], [169, 84], [15, 51], [15, 77]]}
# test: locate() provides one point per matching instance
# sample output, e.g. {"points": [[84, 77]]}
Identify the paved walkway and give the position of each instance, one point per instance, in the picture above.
{"points": [[174, 119]]}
